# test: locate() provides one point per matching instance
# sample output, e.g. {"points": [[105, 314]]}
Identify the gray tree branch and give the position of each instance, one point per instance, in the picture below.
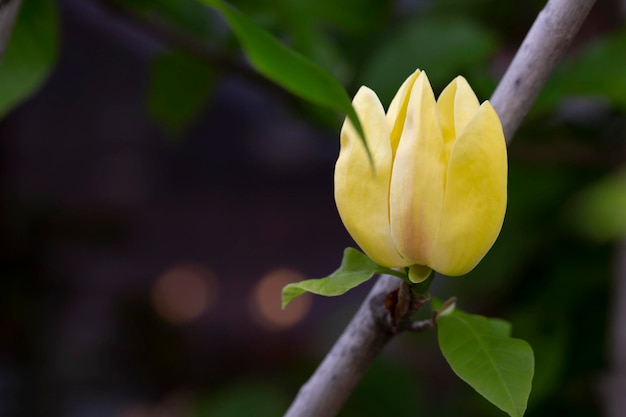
{"points": [[369, 331], [8, 15]]}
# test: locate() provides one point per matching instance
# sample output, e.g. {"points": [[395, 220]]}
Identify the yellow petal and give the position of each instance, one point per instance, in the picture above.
{"points": [[416, 193], [457, 104], [362, 194], [396, 114], [475, 195]]}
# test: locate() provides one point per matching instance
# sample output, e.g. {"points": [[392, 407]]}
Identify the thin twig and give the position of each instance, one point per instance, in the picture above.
{"points": [[8, 14], [364, 338]]}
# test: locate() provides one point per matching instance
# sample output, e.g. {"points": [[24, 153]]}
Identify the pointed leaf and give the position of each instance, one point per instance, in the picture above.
{"points": [[355, 269], [286, 67], [499, 367]]}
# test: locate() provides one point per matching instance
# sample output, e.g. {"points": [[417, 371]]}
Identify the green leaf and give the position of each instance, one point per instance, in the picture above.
{"points": [[498, 367], [286, 67], [355, 269], [178, 88], [30, 53]]}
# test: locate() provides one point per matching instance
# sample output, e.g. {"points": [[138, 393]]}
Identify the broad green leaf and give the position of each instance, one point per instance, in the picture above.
{"points": [[600, 210], [498, 367], [30, 53], [285, 67], [355, 269], [178, 88]]}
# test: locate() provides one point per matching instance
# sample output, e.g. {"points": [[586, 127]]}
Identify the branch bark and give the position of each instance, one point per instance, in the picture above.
{"points": [[368, 332], [8, 15]]}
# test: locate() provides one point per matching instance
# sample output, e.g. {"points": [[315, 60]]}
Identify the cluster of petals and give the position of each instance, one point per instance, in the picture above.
{"points": [[433, 195]]}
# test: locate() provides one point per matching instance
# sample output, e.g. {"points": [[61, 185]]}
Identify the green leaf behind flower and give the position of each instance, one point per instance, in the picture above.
{"points": [[497, 366], [355, 269]]}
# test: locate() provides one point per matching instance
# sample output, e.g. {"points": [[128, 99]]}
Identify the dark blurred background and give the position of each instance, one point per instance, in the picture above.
{"points": [[156, 194]]}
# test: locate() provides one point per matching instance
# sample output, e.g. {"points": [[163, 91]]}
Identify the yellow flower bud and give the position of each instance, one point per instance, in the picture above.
{"points": [[437, 194]]}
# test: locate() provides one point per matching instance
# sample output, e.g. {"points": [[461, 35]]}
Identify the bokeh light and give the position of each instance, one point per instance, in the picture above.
{"points": [[184, 292], [265, 302]]}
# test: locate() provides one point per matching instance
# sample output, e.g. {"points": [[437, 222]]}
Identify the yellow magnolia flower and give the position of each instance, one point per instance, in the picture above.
{"points": [[437, 194]]}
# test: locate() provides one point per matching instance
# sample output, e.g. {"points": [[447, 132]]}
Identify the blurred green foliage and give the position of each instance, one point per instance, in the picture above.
{"points": [[461, 46], [248, 398], [30, 53], [189, 16], [597, 71], [178, 87], [598, 210]]}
